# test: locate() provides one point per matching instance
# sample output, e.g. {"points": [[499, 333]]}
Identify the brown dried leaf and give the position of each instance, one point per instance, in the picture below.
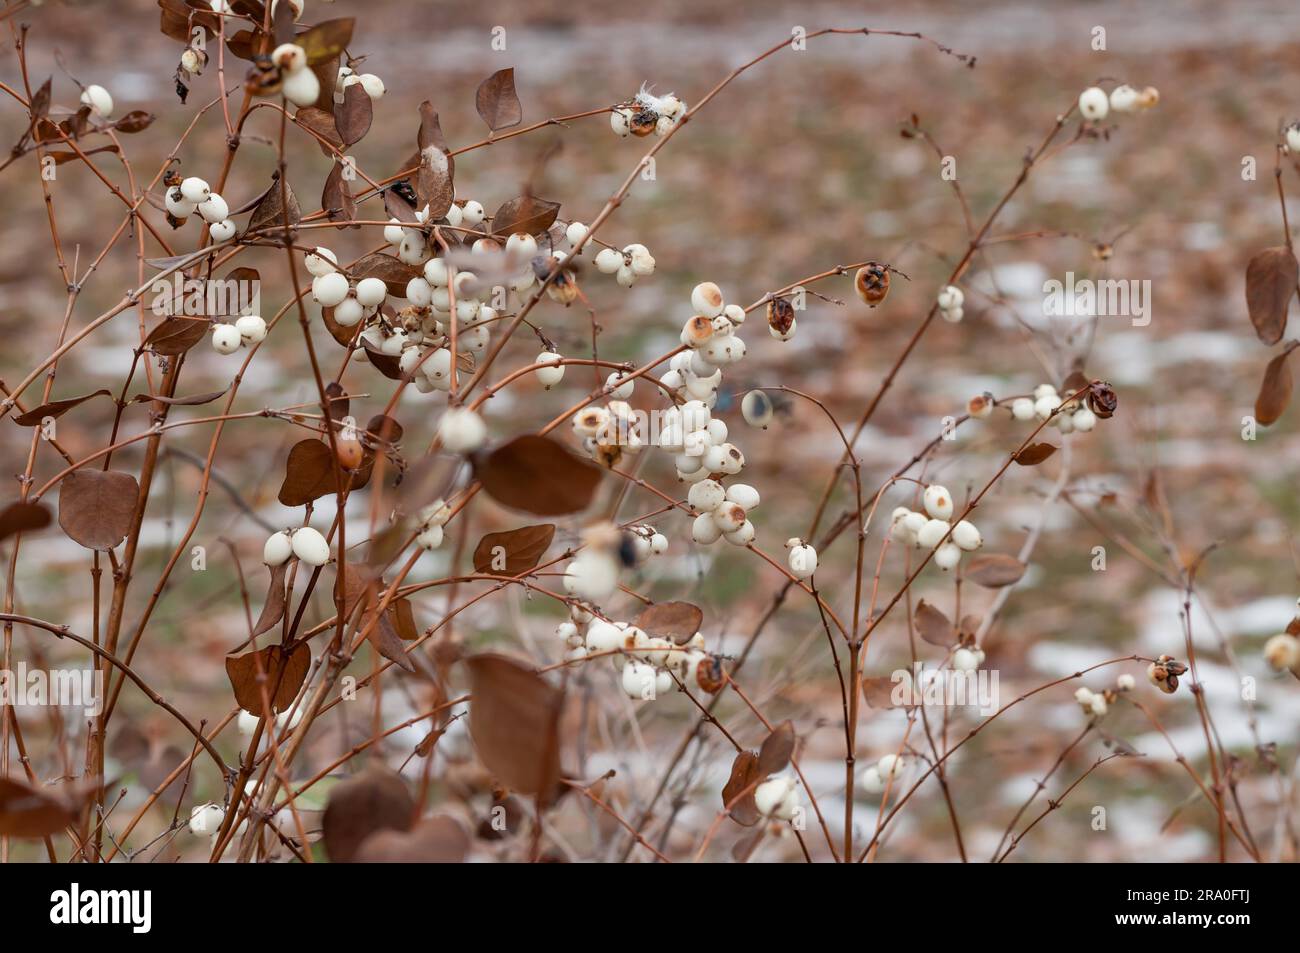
{"points": [[514, 723], [1034, 454], [353, 116], [1274, 390], [173, 336], [326, 40], [498, 102], [995, 570], [322, 123], [744, 774], [23, 517], [194, 400], [96, 506], [273, 608], [677, 621], [527, 213], [933, 626], [284, 670], [54, 409], [435, 840], [538, 475], [336, 199], [878, 691], [376, 800], [1270, 281], [776, 750], [278, 209], [513, 552], [27, 811], [309, 473]]}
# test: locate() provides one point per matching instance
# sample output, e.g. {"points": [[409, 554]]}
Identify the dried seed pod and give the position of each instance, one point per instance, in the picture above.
{"points": [[780, 315], [642, 122], [1102, 400], [980, 406], [709, 675], [872, 283]]}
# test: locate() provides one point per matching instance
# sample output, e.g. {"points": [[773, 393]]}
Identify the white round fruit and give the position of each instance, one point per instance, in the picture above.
{"points": [[310, 546]]}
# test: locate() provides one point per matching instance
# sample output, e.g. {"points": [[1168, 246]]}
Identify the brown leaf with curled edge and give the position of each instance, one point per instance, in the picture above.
{"points": [[375, 800], [676, 621], [1274, 390], [497, 101], [322, 123], [434, 182], [309, 474], [538, 475], [514, 719], [744, 774], [995, 570], [514, 552], [338, 332], [776, 750], [135, 121], [96, 506], [1034, 454], [27, 811], [273, 608], [54, 409], [61, 157], [878, 691], [440, 839], [23, 517], [353, 116], [390, 365], [179, 18], [1270, 281], [326, 40], [391, 270], [284, 671], [359, 583], [395, 206], [527, 213], [174, 336], [337, 401], [336, 198], [933, 626], [278, 209]]}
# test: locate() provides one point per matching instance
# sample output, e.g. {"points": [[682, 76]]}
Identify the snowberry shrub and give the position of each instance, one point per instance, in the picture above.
{"points": [[430, 307]]}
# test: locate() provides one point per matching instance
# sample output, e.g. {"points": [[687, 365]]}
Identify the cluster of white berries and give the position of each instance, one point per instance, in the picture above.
{"points": [[932, 528], [778, 798], [195, 195], [633, 262], [723, 512], [248, 329], [646, 113], [967, 658], [887, 770], [305, 542], [299, 84], [950, 302], [372, 84], [1095, 105], [648, 663], [99, 101], [432, 519], [1094, 704], [646, 542], [1045, 402]]}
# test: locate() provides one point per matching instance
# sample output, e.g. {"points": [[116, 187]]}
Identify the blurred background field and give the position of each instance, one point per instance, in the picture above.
{"points": [[796, 167]]}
